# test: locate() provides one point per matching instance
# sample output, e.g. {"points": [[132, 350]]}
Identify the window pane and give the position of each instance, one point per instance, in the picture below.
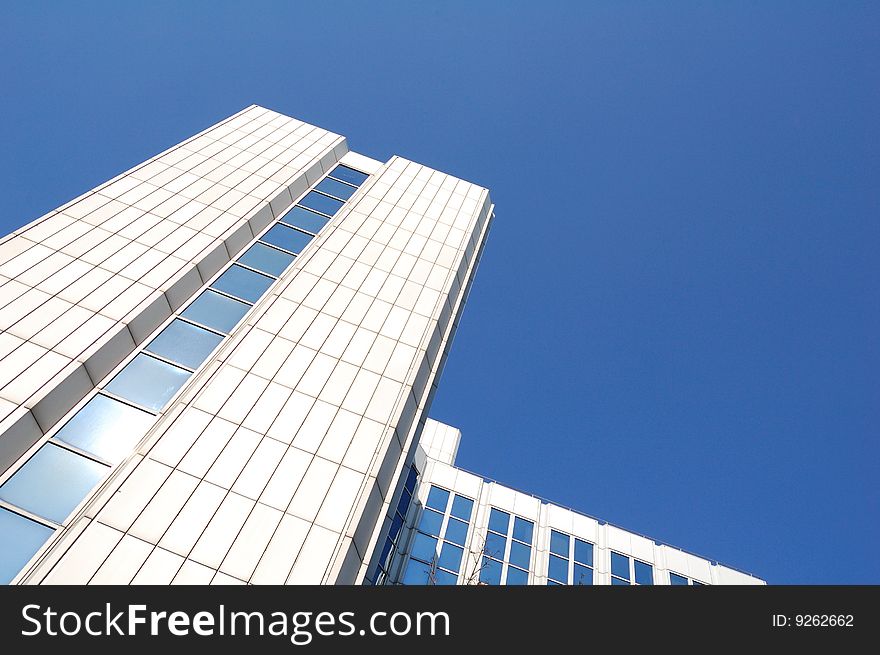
{"points": [[450, 557], [520, 554], [242, 283], [490, 571], [675, 579], [498, 521], [266, 259], [583, 575], [438, 498], [559, 543], [305, 219], [148, 382], [620, 565], [583, 552], [644, 573], [184, 343], [517, 576], [462, 508], [106, 428], [21, 539], [411, 479], [216, 311], [394, 530], [320, 202], [337, 189], [287, 238], [431, 522], [52, 482], [416, 573], [385, 557], [424, 547], [445, 578], [522, 529], [558, 569], [552, 583], [495, 544], [403, 503], [456, 531], [349, 175], [618, 581], [697, 583]]}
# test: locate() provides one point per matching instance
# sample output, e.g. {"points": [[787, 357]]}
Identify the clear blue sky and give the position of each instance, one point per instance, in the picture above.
{"points": [[675, 324]]}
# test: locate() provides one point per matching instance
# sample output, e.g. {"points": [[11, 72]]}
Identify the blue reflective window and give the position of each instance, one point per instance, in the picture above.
{"points": [[403, 503], [495, 544], [267, 259], [321, 203], [583, 575], [106, 428], [438, 498], [416, 573], [456, 531], [287, 238], [558, 569], [620, 565], [411, 479], [583, 552], [675, 579], [349, 175], [394, 530], [644, 573], [462, 508], [520, 554], [490, 571], [52, 482], [336, 189], [385, 557], [517, 576], [444, 577], [242, 283], [216, 311], [21, 539], [559, 543], [498, 521], [553, 583], [430, 522], [148, 382], [424, 547], [697, 583], [185, 343], [522, 529], [618, 581], [305, 219], [450, 557]]}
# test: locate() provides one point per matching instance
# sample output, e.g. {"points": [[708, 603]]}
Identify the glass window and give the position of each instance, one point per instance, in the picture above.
{"points": [[490, 571], [416, 573], [676, 579], [184, 343], [216, 311], [456, 531], [559, 543], [583, 575], [52, 482], [242, 283], [618, 581], [522, 529], [438, 498], [411, 479], [644, 573], [445, 578], [394, 530], [287, 238], [106, 428], [403, 503], [267, 259], [498, 521], [583, 552], [305, 219], [424, 547], [430, 522], [336, 189], [520, 554], [148, 382], [557, 569], [495, 545], [462, 508], [697, 583], [349, 175], [517, 576], [385, 557], [553, 583], [620, 565], [450, 557], [321, 203], [21, 539]]}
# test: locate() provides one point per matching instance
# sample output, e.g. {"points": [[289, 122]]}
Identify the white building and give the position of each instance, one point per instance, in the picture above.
{"points": [[216, 367]]}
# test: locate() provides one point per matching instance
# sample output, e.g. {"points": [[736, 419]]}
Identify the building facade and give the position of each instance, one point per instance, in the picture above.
{"points": [[216, 368]]}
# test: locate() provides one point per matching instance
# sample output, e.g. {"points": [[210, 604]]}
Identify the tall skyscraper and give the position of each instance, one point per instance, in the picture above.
{"points": [[217, 366]]}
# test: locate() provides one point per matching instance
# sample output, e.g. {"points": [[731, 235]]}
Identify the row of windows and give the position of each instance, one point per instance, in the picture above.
{"points": [[507, 552], [50, 484], [570, 560], [380, 574]]}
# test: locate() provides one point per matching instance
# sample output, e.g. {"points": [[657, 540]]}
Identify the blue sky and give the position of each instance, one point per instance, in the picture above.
{"points": [[675, 324]]}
